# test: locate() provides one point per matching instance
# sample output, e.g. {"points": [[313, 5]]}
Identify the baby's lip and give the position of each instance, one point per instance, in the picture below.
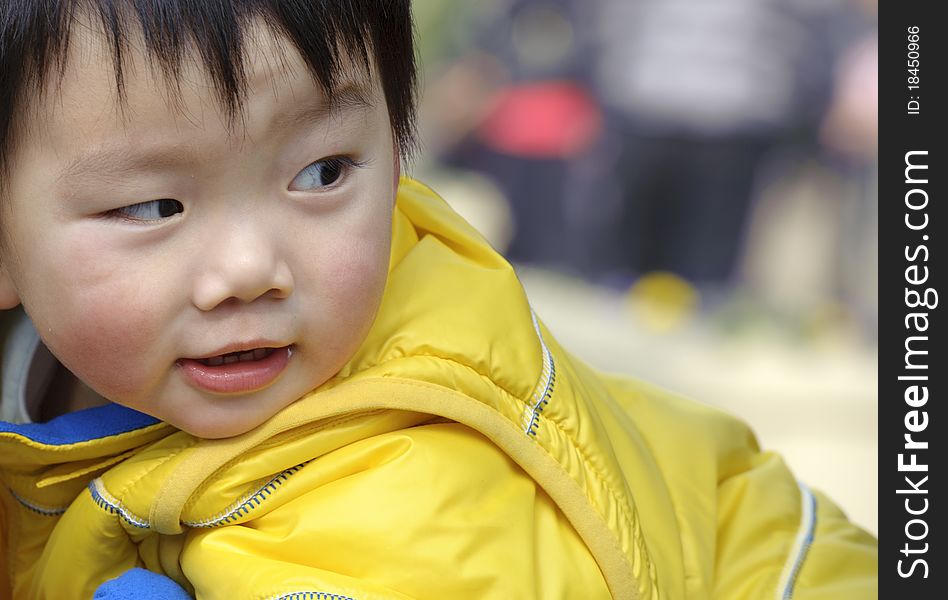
{"points": [[245, 346], [235, 375]]}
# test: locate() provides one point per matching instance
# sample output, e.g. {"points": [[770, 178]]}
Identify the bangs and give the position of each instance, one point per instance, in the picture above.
{"points": [[330, 35]]}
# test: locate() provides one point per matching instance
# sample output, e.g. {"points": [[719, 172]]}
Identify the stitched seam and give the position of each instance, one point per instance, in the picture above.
{"points": [[801, 545], [39, 509], [613, 539], [543, 390], [460, 364], [241, 508], [592, 466], [623, 509], [310, 596], [129, 484], [536, 416], [110, 504], [249, 502], [336, 381], [514, 398], [208, 482], [307, 429], [626, 512], [676, 511], [534, 396]]}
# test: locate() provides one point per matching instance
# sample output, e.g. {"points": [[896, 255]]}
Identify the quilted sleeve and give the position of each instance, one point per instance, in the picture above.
{"points": [[776, 538], [747, 529]]}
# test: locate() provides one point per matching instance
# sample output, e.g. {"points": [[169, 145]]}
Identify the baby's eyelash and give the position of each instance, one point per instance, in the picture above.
{"points": [[349, 161], [325, 174], [149, 211]]}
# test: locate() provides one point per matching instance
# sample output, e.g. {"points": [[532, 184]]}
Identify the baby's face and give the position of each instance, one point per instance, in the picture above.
{"points": [[146, 244]]}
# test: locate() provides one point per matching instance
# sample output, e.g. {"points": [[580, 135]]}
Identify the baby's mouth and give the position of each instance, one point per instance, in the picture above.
{"points": [[232, 357], [239, 372]]}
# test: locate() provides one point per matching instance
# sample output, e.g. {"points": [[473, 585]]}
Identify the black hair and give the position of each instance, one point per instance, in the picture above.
{"points": [[34, 41]]}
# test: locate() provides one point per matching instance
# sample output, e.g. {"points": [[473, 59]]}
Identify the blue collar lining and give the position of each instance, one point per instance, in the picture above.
{"points": [[82, 426]]}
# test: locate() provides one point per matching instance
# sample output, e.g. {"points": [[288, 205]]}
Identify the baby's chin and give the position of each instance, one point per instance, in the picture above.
{"points": [[220, 420]]}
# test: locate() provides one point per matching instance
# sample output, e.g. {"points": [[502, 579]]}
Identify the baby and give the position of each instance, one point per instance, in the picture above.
{"points": [[254, 362]]}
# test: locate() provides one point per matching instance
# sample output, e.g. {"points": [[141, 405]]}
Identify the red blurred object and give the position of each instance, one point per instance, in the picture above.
{"points": [[552, 119]]}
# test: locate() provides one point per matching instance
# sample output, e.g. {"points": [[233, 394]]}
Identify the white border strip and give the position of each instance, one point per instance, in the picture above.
{"points": [[103, 498], [541, 392], [311, 596], [788, 577], [37, 508], [248, 502]]}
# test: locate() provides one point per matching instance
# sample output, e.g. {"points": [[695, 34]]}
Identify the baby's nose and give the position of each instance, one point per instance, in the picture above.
{"points": [[243, 264]]}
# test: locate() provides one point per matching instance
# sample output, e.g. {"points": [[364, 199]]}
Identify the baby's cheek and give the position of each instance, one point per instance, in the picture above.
{"points": [[111, 342], [351, 303], [360, 277], [115, 306]]}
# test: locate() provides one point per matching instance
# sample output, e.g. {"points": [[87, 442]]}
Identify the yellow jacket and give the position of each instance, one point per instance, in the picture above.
{"points": [[461, 453]]}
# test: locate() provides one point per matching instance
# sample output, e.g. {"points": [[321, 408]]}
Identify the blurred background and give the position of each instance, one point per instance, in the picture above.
{"points": [[687, 190]]}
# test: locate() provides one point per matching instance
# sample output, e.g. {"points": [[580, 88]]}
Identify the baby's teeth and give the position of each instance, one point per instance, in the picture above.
{"points": [[227, 359]]}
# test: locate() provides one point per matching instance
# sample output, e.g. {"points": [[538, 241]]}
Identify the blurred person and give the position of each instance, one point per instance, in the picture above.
{"points": [[698, 95], [825, 196], [528, 119], [850, 135]]}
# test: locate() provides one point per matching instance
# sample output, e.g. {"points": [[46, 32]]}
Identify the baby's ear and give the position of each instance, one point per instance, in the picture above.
{"points": [[8, 294]]}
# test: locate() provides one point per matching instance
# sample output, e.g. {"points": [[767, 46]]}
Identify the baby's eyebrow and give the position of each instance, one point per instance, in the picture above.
{"points": [[117, 161], [348, 97]]}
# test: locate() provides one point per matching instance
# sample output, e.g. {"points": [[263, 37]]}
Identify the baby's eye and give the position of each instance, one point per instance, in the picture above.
{"points": [[322, 173], [153, 210]]}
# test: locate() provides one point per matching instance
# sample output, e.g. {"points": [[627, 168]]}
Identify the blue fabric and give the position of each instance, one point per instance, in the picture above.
{"points": [[139, 584], [82, 426]]}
